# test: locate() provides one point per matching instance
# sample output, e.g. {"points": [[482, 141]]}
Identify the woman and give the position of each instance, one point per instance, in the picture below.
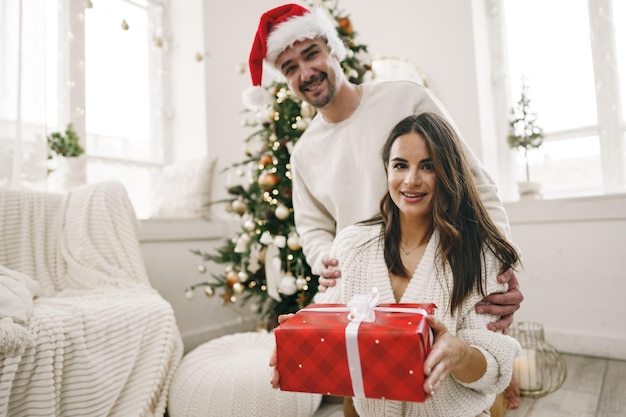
{"points": [[433, 241]]}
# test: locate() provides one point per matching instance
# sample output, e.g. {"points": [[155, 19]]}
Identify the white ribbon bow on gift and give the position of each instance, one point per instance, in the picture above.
{"points": [[361, 310], [362, 306]]}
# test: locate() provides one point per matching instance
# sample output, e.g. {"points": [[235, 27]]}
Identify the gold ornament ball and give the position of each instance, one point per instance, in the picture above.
{"points": [[282, 212], [232, 277], [307, 110], [268, 180], [239, 206], [209, 291], [293, 242], [242, 276], [249, 225], [265, 160], [346, 25], [238, 288], [201, 269]]}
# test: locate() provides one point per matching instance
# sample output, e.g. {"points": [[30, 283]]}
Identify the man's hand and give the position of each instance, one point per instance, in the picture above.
{"points": [[503, 305], [273, 360], [328, 274]]}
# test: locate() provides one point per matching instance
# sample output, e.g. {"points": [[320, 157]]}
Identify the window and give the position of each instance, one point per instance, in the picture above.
{"points": [[28, 77], [573, 53], [95, 63], [124, 74]]}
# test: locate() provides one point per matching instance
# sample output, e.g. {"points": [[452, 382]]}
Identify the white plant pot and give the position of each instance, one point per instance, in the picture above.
{"points": [[72, 171], [529, 190]]}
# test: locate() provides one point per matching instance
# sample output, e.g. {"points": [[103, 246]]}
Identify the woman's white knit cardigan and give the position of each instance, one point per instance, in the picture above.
{"points": [[363, 266]]}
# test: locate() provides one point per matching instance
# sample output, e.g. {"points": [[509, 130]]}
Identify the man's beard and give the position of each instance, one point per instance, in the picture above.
{"points": [[323, 99]]}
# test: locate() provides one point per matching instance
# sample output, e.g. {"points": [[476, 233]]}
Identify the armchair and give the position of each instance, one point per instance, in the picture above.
{"points": [[82, 331]]}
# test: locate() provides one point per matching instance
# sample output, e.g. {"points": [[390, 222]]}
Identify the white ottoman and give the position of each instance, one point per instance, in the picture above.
{"points": [[230, 377]]}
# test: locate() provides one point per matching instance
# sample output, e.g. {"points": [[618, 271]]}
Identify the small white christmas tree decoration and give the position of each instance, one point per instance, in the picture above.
{"points": [[524, 133]]}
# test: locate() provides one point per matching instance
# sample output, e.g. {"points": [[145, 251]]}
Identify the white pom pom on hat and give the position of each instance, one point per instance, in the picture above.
{"points": [[283, 26], [257, 97]]}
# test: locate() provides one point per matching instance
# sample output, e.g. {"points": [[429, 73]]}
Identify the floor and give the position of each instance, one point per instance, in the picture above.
{"points": [[594, 388]]}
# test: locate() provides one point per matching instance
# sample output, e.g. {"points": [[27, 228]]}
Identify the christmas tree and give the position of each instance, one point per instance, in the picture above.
{"points": [[263, 262]]}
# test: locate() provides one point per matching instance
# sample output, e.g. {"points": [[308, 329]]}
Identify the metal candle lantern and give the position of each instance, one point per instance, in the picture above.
{"points": [[539, 368]]}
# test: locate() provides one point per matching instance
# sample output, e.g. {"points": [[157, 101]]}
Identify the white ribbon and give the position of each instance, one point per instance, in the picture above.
{"points": [[254, 263], [273, 263], [267, 239], [273, 271], [241, 246], [361, 310], [362, 306]]}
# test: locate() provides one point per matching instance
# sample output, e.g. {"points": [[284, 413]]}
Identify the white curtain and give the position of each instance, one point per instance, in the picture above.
{"points": [[28, 81]]}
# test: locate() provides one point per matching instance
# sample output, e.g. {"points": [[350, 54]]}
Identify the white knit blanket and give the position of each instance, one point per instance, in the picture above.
{"points": [[104, 342], [16, 305]]}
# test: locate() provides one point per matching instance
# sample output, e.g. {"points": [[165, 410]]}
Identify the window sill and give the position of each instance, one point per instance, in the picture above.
{"points": [[576, 209], [196, 229]]}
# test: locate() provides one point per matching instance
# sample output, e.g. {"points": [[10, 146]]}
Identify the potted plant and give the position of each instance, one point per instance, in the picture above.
{"points": [[525, 134], [66, 149], [65, 144]]}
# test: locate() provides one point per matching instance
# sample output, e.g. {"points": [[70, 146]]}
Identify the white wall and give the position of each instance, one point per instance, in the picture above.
{"points": [[185, 103], [573, 280], [166, 247]]}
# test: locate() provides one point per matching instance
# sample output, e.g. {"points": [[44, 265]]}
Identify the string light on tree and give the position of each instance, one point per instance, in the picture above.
{"points": [[301, 283], [209, 291], [238, 288]]}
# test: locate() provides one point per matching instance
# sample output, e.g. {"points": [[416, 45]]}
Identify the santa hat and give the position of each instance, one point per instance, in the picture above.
{"points": [[281, 28]]}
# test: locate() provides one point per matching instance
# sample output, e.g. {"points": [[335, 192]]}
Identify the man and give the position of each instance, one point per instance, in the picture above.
{"points": [[338, 178]]}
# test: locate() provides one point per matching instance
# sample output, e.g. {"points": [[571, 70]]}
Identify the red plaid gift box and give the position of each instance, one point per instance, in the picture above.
{"points": [[358, 350]]}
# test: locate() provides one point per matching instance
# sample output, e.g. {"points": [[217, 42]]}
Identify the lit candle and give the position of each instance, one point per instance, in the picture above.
{"points": [[525, 370]]}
